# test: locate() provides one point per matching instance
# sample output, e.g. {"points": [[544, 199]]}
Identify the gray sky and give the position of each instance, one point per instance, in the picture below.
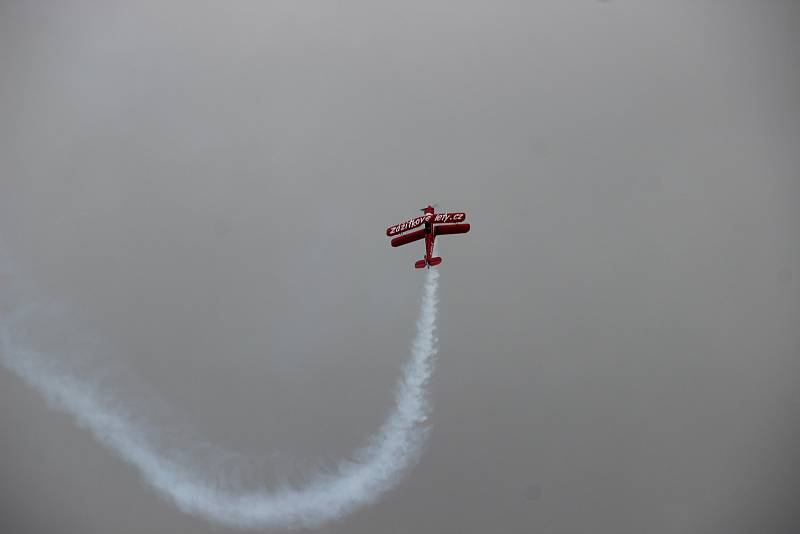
{"points": [[207, 187]]}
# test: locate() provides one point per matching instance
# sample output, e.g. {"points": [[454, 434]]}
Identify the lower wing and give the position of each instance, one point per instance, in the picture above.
{"points": [[408, 238]]}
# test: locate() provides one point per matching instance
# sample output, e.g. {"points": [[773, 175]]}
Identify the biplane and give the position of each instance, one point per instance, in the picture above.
{"points": [[434, 224]]}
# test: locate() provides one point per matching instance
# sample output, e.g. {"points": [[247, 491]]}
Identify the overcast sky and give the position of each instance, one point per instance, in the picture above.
{"points": [[207, 188]]}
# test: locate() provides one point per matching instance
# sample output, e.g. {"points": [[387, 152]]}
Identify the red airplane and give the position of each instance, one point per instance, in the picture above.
{"points": [[435, 224]]}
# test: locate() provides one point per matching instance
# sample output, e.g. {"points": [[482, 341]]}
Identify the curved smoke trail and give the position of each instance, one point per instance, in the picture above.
{"points": [[81, 388]]}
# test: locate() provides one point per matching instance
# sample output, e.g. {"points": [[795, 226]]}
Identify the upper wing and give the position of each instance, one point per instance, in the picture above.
{"points": [[456, 217], [416, 222], [408, 238]]}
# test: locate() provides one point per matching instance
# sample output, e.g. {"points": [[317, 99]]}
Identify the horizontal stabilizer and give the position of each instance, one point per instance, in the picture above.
{"points": [[436, 260], [419, 264]]}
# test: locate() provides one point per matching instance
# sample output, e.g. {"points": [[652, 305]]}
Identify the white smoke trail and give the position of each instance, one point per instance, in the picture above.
{"points": [[79, 387]]}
